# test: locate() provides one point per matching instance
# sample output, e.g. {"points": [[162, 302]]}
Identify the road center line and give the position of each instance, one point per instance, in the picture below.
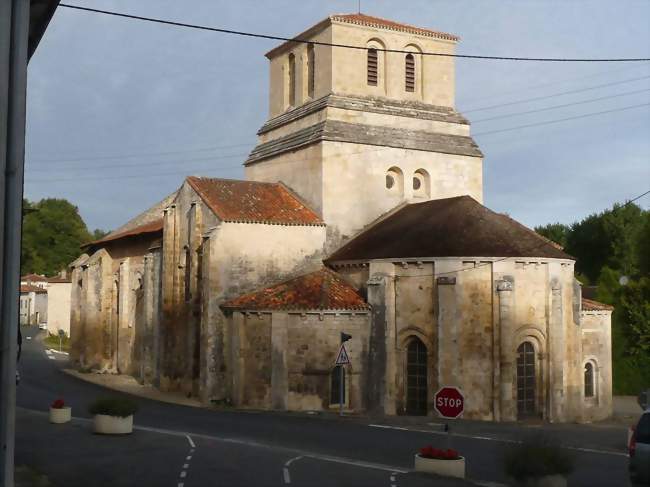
{"points": [[189, 438], [285, 469]]}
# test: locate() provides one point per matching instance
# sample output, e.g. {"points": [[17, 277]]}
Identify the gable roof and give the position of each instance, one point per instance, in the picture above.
{"points": [[34, 278], [253, 202], [28, 288], [155, 226], [450, 227], [591, 305], [323, 289]]}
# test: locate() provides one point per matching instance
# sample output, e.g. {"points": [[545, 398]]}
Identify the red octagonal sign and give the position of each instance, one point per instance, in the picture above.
{"points": [[449, 402]]}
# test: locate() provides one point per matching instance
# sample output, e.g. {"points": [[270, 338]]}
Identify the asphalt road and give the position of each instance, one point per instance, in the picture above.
{"points": [[176, 445]]}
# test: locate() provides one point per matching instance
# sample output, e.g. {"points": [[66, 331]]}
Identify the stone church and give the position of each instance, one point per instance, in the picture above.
{"points": [[361, 212]]}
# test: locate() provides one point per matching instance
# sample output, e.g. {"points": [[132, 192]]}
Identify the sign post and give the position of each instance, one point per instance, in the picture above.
{"points": [[342, 358], [450, 404]]}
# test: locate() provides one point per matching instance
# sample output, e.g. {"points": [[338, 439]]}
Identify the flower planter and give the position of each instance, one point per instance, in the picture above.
{"points": [[448, 468], [60, 415], [113, 425], [544, 481]]}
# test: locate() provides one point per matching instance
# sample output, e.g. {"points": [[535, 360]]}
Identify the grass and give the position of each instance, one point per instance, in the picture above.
{"points": [[52, 341]]}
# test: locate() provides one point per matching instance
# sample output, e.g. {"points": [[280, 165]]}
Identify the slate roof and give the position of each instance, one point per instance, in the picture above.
{"points": [[253, 202], [155, 226], [370, 21], [450, 227], [323, 289], [591, 305], [28, 288]]}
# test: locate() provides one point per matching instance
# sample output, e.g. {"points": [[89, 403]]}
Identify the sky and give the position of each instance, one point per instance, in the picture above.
{"points": [[119, 111]]}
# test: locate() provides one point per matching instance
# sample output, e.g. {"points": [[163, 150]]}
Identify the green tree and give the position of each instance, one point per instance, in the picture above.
{"points": [[557, 232], [53, 231]]}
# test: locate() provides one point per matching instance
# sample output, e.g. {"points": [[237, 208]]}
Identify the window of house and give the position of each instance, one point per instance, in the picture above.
{"points": [[390, 181], [409, 62], [417, 184], [292, 80], [421, 184], [395, 181], [589, 379], [335, 385], [311, 70], [373, 65]]}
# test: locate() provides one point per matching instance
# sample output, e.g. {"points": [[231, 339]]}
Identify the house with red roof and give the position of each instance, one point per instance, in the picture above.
{"points": [[361, 213]]}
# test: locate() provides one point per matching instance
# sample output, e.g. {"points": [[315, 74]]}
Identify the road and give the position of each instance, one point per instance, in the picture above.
{"points": [[185, 447]]}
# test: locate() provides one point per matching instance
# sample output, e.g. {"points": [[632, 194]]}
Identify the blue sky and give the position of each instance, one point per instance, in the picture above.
{"points": [[119, 110]]}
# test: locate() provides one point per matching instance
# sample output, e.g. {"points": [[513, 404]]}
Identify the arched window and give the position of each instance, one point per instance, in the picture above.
{"points": [[409, 65], [373, 66], [421, 184], [292, 80], [395, 181], [335, 385], [416, 377], [589, 379], [311, 70]]}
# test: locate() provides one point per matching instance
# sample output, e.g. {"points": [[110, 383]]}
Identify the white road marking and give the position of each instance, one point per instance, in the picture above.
{"points": [[51, 350], [501, 440], [190, 440], [51, 358], [393, 482], [188, 458], [285, 469], [356, 463], [181, 484], [183, 474], [186, 466]]}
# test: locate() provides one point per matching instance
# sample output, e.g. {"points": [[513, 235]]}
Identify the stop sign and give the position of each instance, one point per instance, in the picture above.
{"points": [[449, 402]]}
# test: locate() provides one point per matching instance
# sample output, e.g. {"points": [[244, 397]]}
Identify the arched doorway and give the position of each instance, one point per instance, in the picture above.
{"points": [[416, 377], [526, 403]]}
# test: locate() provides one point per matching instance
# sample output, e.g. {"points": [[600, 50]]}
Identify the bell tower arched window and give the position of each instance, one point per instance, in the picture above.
{"points": [[589, 380], [311, 70], [409, 67], [373, 66], [292, 80]]}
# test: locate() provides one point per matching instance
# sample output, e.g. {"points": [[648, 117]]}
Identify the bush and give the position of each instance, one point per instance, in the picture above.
{"points": [[113, 406], [537, 456]]}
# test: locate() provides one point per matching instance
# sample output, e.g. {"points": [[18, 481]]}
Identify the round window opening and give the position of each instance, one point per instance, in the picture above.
{"points": [[390, 181], [417, 183]]}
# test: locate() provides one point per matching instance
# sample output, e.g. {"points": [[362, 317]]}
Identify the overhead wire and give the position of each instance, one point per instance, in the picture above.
{"points": [[345, 46]]}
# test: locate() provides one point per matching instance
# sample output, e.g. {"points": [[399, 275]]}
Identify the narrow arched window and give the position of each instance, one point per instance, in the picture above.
{"points": [[292, 80], [336, 384], [311, 70], [372, 67], [589, 379], [409, 63]]}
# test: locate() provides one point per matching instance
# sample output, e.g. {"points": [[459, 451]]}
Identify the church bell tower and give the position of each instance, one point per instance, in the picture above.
{"points": [[357, 132]]}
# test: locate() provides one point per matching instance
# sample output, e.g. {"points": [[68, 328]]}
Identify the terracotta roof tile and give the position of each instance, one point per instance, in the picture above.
{"points": [[320, 290], [33, 278], [591, 305], [370, 21], [253, 202], [28, 288], [151, 227], [449, 227]]}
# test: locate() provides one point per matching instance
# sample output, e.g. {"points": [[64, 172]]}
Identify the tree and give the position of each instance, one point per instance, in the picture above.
{"points": [[53, 231], [557, 232]]}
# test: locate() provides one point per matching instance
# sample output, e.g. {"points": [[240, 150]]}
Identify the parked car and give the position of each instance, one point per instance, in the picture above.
{"points": [[42, 326], [639, 451]]}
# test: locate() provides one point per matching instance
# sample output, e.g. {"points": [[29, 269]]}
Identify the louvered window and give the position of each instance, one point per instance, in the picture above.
{"points": [[372, 67], [410, 72], [292, 80], [311, 74]]}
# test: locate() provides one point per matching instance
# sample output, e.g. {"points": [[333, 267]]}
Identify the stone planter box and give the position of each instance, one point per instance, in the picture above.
{"points": [[448, 468], [112, 425], [60, 415], [545, 481]]}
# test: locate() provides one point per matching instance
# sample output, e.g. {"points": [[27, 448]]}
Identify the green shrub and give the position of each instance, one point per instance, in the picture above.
{"points": [[113, 406], [537, 456]]}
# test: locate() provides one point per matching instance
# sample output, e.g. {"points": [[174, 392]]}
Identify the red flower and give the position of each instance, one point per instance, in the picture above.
{"points": [[58, 404], [435, 453]]}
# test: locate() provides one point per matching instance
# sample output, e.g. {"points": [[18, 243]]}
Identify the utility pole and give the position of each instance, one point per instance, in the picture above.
{"points": [[14, 32]]}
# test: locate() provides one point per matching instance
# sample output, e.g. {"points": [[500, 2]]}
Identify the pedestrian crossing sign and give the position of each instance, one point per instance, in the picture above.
{"points": [[342, 358]]}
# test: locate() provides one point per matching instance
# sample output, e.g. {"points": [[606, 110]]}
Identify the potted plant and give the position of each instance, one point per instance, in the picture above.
{"points": [[441, 462], [113, 415], [59, 412], [538, 462]]}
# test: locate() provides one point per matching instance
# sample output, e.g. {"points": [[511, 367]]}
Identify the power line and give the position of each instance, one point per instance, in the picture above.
{"points": [[555, 107], [544, 97], [346, 46], [549, 122]]}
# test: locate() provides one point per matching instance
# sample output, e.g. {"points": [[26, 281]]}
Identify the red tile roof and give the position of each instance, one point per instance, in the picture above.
{"points": [[320, 290], [28, 288], [590, 305], [152, 227], [34, 278], [370, 21], [253, 202]]}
